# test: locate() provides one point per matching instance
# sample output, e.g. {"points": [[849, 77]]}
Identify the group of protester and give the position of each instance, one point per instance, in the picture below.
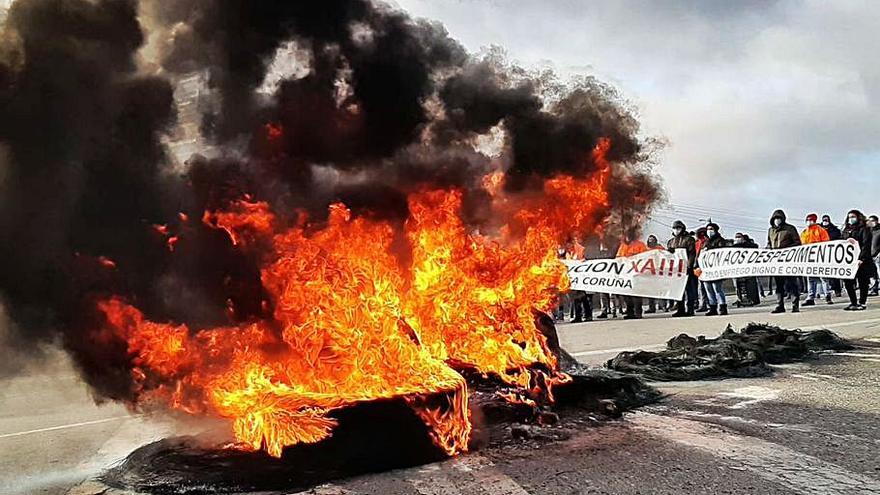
{"points": [[709, 297]]}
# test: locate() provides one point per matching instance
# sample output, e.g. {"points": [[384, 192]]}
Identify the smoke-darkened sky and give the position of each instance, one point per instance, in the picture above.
{"points": [[765, 104]]}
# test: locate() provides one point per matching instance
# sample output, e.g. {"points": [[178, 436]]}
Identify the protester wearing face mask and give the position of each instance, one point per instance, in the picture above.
{"points": [[856, 228], [812, 234], [834, 234], [783, 235], [683, 240], [874, 225], [652, 302], [715, 288]]}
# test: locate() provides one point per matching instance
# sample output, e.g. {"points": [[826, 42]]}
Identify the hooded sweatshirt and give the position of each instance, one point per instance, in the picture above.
{"points": [[684, 241], [784, 236]]}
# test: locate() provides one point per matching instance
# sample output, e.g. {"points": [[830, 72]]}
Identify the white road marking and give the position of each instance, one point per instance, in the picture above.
{"points": [[857, 354], [800, 428], [599, 352], [752, 395], [799, 472], [131, 435], [64, 427], [831, 326], [326, 489], [804, 377]]}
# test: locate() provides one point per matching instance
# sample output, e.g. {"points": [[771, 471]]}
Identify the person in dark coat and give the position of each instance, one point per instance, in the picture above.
{"points": [[747, 288], [857, 228], [835, 234], [783, 235], [715, 289], [681, 239], [874, 225]]}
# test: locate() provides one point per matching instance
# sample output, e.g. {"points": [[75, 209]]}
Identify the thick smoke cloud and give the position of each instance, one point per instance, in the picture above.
{"points": [[80, 131], [389, 104]]}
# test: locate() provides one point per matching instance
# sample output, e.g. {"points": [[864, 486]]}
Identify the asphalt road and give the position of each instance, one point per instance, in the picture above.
{"points": [[811, 428]]}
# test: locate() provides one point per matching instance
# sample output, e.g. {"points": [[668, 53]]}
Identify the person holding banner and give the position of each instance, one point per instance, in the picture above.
{"points": [[835, 234], [652, 243], [701, 238], [783, 235], [630, 246], [857, 229], [683, 240], [812, 234], [581, 302], [715, 288], [748, 289]]}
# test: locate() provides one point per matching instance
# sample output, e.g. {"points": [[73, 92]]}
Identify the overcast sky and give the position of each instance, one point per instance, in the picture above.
{"points": [[765, 104]]}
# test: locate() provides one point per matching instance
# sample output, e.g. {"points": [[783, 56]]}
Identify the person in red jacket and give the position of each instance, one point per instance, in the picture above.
{"points": [[812, 234], [630, 246]]}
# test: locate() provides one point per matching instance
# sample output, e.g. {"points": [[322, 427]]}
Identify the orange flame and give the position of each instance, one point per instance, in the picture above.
{"points": [[352, 324]]}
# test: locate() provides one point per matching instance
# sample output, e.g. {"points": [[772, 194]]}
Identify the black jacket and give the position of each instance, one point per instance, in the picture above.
{"points": [[875, 241], [861, 233], [716, 242], [749, 243], [833, 232]]}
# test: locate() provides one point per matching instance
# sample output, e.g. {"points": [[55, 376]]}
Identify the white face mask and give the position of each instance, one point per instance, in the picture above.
{"points": [[710, 233], [738, 240], [825, 223], [810, 223], [676, 231], [777, 222], [853, 220]]}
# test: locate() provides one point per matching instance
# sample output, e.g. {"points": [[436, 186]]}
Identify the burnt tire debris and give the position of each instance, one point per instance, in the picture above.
{"points": [[381, 435], [748, 352]]}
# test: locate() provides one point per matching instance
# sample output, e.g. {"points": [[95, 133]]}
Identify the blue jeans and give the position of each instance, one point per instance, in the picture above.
{"points": [[876, 286], [815, 284], [715, 292]]}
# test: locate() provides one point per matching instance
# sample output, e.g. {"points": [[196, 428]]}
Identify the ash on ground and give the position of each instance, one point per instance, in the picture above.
{"points": [[744, 353]]}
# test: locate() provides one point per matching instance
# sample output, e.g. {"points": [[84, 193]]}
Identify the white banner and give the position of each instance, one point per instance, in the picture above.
{"points": [[655, 273], [832, 259]]}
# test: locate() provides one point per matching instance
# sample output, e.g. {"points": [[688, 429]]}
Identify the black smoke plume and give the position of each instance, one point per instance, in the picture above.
{"points": [[387, 105]]}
